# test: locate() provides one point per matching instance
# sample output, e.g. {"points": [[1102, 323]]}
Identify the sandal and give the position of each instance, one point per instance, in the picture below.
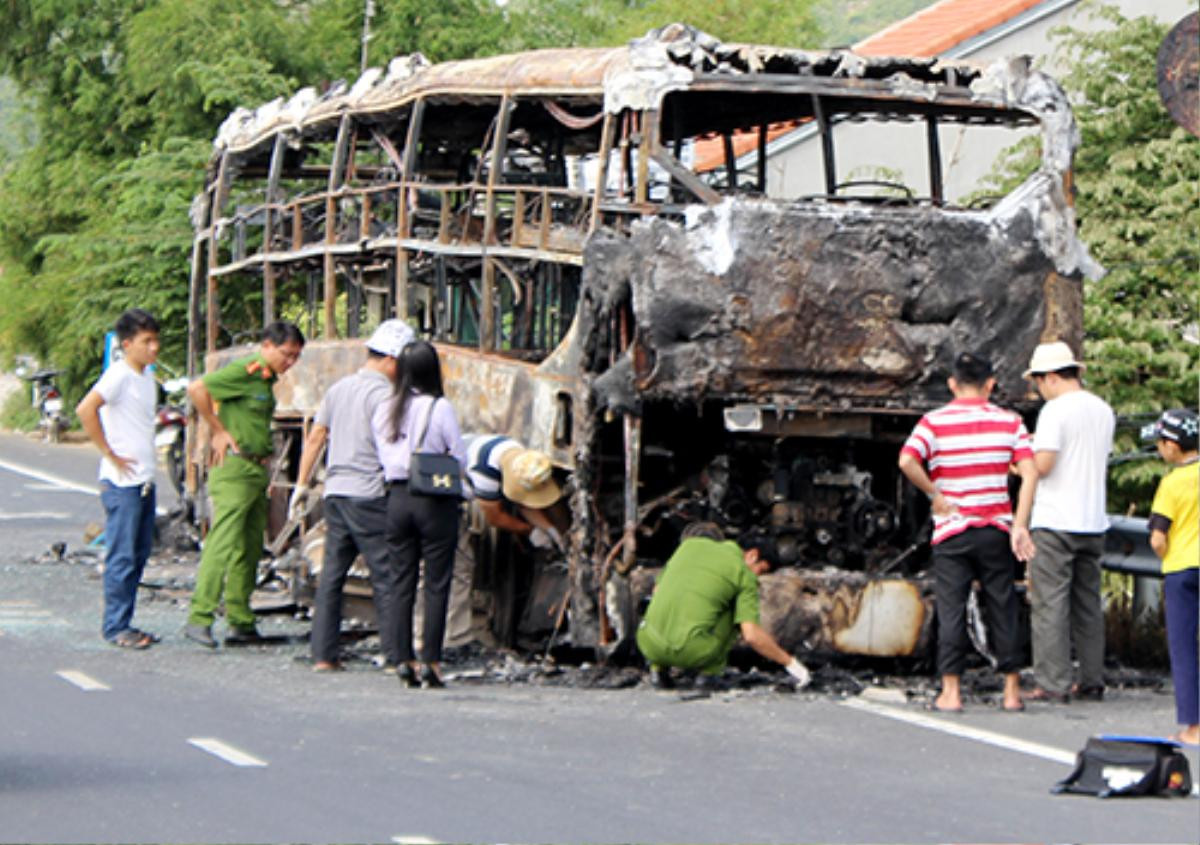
{"points": [[131, 638], [1040, 694], [154, 638]]}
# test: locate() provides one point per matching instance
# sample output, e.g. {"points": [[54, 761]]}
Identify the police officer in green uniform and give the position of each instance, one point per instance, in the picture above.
{"points": [[706, 595], [237, 401]]}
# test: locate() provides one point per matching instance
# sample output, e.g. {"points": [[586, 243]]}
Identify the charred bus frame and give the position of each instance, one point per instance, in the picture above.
{"points": [[685, 344]]}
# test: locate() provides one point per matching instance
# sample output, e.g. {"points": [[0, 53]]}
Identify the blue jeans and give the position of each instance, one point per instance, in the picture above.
{"points": [[129, 535]]}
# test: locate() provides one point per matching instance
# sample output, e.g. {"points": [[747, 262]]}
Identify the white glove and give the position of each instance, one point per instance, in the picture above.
{"points": [[798, 671], [298, 504], [557, 539], [539, 539]]}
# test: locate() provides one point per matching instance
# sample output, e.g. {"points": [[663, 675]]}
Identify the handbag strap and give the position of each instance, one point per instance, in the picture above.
{"points": [[425, 426]]}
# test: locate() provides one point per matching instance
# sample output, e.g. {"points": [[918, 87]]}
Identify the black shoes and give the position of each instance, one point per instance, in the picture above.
{"points": [[430, 679], [661, 678], [200, 634], [1088, 693], [1048, 697], [407, 676], [706, 683], [244, 636]]}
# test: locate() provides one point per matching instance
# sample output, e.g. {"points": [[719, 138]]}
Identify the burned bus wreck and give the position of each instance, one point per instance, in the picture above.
{"points": [[688, 341]]}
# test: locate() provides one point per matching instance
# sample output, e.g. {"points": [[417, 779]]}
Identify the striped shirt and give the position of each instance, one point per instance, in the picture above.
{"points": [[484, 474], [967, 447]]}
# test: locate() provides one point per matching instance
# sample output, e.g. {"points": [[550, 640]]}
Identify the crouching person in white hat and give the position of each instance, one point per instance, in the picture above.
{"points": [[355, 499]]}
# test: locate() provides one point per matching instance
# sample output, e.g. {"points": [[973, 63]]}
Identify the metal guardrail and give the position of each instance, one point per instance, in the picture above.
{"points": [[1127, 548]]}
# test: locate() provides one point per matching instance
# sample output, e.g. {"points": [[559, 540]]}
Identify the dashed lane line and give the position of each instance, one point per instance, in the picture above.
{"points": [[1009, 743], [6, 516], [85, 682], [231, 755]]}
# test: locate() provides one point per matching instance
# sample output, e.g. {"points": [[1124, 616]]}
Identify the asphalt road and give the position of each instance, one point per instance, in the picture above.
{"points": [[247, 745]]}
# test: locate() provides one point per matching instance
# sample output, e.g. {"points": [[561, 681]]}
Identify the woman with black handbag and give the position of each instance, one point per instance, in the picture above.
{"points": [[421, 450]]}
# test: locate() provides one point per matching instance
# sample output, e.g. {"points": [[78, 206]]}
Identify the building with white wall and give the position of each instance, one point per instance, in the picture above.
{"points": [[977, 31]]}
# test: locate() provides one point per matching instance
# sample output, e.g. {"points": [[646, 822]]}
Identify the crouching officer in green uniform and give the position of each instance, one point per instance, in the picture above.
{"points": [[237, 401], [706, 596]]}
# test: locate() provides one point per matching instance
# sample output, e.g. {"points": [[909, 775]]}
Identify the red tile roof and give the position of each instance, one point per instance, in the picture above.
{"points": [[937, 28], [929, 32]]}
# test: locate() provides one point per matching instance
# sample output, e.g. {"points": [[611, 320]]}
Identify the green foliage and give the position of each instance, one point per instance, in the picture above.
{"points": [[843, 22], [1136, 178], [17, 413], [598, 23], [784, 22], [18, 130], [128, 96], [188, 64]]}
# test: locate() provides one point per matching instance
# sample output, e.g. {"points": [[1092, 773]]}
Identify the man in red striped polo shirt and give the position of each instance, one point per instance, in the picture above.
{"points": [[959, 456]]}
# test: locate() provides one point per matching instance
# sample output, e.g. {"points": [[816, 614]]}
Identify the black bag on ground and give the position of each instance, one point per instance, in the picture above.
{"points": [[1124, 765], [433, 473]]}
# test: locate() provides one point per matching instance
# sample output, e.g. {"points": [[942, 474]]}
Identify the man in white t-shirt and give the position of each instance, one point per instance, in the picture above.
{"points": [[118, 415], [1071, 447]]}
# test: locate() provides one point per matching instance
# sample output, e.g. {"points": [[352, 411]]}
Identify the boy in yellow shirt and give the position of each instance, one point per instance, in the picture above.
{"points": [[1175, 537]]}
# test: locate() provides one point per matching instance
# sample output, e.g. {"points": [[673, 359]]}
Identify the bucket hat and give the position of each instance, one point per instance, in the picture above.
{"points": [[528, 478], [1050, 358]]}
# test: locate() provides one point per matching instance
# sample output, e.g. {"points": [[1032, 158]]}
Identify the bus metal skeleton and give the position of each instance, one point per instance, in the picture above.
{"points": [[685, 343]]}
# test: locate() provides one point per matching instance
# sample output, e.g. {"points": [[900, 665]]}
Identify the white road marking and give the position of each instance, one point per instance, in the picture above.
{"points": [[58, 482], [226, 752], [49, 478], [25, 614], [414, 839], [1009, 743], [84, 682], [33, 515]]}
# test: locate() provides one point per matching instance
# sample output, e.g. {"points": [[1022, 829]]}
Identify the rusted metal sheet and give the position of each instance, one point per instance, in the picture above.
{"points": [[1179, 73], [635, 76]]}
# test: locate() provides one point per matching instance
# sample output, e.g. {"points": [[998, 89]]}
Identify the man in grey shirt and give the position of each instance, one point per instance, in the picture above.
{"points": [[355, 500]]}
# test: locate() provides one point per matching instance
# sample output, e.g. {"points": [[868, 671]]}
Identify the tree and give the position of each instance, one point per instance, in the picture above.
{"points": [[1136, 178], [128, 95]]}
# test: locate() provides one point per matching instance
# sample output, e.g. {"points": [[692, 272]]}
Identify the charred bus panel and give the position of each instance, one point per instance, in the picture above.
{"points": [[685, 344]]}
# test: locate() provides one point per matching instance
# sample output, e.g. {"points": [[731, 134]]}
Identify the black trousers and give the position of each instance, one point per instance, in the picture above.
{"points": [[352, 527], [981, 554], [422, 527]]}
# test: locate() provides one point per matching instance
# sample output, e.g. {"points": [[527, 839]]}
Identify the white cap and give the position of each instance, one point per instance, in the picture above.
{"points": [[390, 338]]}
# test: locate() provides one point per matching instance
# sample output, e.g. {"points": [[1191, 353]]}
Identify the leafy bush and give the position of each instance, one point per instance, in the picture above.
{"points": [[16, 413]]}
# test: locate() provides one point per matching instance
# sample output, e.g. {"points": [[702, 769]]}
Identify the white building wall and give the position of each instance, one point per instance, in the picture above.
{"points": [[898, 152]]}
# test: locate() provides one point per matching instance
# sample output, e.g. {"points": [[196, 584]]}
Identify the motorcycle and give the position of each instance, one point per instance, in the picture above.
{"points": [[171, 431], [45, 396]]}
